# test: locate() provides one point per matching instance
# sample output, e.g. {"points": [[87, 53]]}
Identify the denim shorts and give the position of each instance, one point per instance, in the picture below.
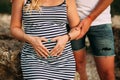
{"points": [[101, 40]]}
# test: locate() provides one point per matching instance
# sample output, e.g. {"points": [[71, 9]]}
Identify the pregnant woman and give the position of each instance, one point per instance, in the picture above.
{"points": [[47, 53]]}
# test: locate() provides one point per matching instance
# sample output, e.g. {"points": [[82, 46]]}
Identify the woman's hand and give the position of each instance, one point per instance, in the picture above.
{"points": [[40, 49], [61, 43]]}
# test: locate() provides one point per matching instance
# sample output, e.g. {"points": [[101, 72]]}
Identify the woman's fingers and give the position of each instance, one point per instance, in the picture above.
{"points": [[43, 39], [39, 47], [41, 51], [53, 52], [54, 39], [59, 51], [56, 51], [61, 42], [45, 51]]}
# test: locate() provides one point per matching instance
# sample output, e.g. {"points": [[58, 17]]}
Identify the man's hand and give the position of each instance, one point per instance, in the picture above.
{"points": [[84, 26]]}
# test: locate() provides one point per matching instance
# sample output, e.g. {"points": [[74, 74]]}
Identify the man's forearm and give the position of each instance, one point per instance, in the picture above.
{"points": [[100, 7]]}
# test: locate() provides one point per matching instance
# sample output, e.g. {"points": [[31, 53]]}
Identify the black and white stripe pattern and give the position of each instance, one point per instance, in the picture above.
{"points": [[49, 22]]}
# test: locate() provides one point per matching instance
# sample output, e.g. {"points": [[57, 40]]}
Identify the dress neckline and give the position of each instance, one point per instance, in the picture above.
{"points": [[54, 5]]}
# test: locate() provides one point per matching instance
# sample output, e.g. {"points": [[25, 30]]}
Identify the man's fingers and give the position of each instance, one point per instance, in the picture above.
{"points": [[80, 25], [81, 35]]}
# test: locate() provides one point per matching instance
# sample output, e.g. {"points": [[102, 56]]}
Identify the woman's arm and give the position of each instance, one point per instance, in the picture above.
{"points": [[72, 13], [16, 21], [73, 19], [17, 31]]}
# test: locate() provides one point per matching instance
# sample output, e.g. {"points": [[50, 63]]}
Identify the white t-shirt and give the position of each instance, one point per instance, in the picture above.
{"points": [[85, 7]]}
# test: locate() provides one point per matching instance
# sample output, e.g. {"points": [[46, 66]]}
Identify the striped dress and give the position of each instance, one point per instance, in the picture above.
{"points": [[49, 23]]}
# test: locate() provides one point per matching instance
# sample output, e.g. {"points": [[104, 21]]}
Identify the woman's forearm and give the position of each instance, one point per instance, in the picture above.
{"points": [[20, 35]]}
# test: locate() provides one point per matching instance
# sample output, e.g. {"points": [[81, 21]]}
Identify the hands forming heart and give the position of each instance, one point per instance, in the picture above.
{"points": [[42, 51]]}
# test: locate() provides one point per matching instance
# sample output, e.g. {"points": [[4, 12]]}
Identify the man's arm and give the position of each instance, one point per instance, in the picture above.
{"points": [[100, 7], [85, 23]]}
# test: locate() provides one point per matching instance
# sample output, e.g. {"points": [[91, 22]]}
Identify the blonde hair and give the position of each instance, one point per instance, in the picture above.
{"points": [[34, 5]]}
